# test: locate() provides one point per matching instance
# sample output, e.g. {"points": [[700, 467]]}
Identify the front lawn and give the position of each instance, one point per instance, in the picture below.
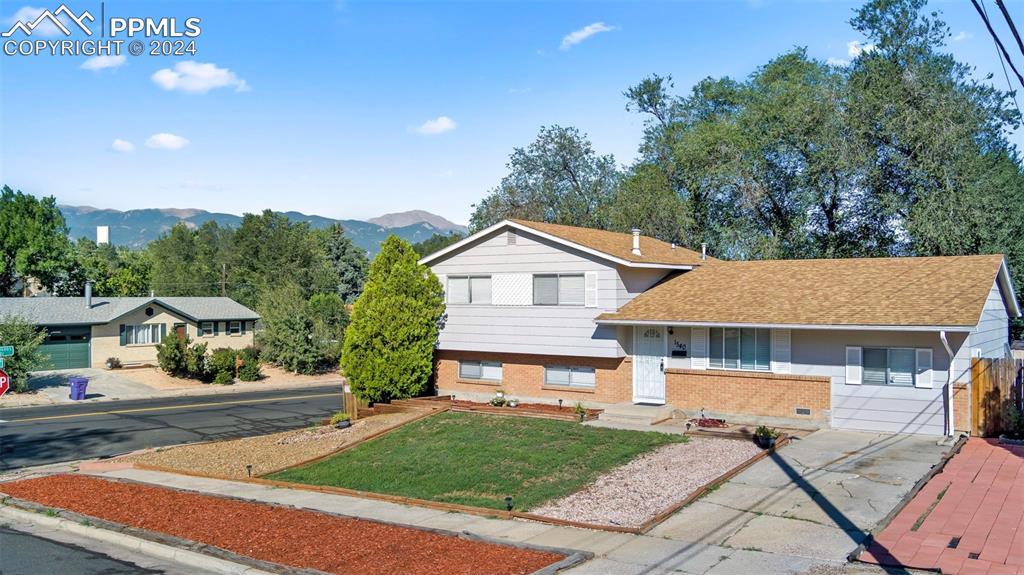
{"points": [[475, 459]]}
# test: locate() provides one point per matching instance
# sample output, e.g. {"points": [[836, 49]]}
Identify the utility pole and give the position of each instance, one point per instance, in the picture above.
{"points": [[224, 280]]}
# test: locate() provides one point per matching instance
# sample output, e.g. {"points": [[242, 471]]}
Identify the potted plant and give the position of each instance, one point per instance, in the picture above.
{"points": [[580, 410], [499, 398], [341, 420], [765, 436]]}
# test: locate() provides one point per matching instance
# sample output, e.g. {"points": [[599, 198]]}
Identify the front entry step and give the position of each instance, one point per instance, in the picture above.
{"points": [[631, 414]]}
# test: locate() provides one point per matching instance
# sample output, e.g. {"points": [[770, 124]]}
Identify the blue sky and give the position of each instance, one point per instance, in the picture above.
{"points": [[356, 109]]}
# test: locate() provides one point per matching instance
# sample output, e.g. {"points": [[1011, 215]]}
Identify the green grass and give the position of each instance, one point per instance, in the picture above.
{"points": [[474, 459]]}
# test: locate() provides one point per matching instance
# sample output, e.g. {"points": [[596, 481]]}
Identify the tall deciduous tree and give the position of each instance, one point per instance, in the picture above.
{"points": [[34, 243], [26, 339], [389, 345], [186, 261], [559, 178]]}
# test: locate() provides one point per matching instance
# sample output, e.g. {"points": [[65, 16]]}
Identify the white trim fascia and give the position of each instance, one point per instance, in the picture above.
{"points": [[1006, 283], [926, 328], [508, 223]]}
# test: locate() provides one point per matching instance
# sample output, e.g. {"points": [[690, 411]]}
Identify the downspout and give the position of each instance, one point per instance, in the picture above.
{"points": [[949, 385]]}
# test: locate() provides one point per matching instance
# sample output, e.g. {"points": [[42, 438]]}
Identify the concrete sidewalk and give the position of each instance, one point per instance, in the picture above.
{"points": [[800, 512]]}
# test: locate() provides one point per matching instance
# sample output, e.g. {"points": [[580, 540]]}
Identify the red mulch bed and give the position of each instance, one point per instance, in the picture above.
{"points": [[286, 536], [566, 409]]}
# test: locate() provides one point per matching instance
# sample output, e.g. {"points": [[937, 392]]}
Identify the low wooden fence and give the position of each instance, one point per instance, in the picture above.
{"points": [[994, 384]]}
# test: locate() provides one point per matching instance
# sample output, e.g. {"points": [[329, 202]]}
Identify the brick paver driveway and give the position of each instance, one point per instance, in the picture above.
{"points": [[968, 519]]}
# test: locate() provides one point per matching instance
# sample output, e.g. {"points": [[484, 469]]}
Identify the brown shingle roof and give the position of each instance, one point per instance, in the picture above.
{"points": [[620, 244], [925, 291]]}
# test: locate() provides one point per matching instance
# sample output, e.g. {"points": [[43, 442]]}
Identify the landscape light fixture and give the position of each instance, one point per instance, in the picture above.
{"points": [[248, 469], [559, 404], [508, 502]]}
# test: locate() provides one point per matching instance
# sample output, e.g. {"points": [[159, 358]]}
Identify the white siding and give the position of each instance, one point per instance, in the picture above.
{"points": [[877, 407], [548, 330], [992, 337]]}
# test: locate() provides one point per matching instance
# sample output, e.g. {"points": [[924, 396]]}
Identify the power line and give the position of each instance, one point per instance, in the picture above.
{"points": [[999, 43], [1009, 22], [1002, 63]]}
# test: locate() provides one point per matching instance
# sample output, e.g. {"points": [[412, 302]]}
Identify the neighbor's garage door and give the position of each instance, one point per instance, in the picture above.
{"points": [[67, 347]]}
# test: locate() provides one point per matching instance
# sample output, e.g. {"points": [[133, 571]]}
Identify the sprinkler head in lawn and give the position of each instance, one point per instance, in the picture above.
{"points": [[508, 503]]}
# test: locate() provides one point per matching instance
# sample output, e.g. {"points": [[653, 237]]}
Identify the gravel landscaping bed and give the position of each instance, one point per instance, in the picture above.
{"points": [[287, 536], [634, 493], [266, 453]]}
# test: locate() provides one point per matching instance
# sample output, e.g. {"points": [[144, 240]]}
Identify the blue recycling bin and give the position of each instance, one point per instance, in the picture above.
{"points": [[78, 387]]}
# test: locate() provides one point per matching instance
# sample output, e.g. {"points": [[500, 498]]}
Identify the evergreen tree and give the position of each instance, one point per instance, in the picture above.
{"points": [[348, 262], [389, 344]]}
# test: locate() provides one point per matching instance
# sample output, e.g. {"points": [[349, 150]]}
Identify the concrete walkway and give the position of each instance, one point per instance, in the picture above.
{"points": [[800, 511]]}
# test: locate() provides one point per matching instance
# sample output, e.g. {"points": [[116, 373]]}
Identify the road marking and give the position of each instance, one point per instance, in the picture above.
{"points": [[170, 407]]}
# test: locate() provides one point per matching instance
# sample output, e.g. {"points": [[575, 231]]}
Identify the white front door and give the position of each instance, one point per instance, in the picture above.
{"points": [[649, 364]]}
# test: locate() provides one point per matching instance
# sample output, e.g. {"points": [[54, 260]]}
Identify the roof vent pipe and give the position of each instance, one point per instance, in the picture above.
{"points": [[704, 251], [88, 294], [636, 241]]}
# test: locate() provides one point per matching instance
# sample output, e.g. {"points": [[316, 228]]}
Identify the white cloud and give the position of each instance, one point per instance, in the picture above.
{"points": [[123, 146], [103, 62], [438, 125], [963, 35], [198, 78], [573, 38], [837, 62], [165, 141], [46, 28], [855, 48]]}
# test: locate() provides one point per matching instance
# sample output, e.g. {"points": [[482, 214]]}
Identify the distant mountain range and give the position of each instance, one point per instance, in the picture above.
{"points": [[136, 228]]}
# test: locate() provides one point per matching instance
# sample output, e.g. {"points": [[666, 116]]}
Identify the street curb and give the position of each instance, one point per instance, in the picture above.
{"points": [[115, 534]]}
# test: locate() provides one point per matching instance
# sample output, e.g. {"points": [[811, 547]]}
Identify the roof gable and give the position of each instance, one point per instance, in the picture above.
{"points": [[925, 291], [612, 246]]}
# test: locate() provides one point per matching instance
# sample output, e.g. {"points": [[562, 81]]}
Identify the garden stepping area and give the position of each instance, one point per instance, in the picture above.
{"points": [[967, 519], [286, 536]]}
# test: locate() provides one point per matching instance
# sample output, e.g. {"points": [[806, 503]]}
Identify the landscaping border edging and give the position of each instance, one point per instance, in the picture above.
{"points": [[160, 545]]}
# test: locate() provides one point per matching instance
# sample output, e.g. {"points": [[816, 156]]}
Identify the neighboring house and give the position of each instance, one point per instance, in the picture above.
{"points": [[550, 312], [86, 331]]}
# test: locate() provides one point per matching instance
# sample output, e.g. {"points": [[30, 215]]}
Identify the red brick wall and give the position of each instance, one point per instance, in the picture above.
{"points": [[961, 407], [732, 392], [749, 393]]}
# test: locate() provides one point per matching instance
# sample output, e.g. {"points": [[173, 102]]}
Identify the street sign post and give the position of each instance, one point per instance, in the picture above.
{"points": [[5, 382]]}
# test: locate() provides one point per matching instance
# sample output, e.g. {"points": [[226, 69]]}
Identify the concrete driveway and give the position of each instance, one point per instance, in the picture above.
{"points": [[103, 385], [811, 503]]}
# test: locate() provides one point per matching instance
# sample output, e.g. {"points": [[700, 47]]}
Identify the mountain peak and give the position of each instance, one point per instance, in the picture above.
{"points": [[402, 219]]}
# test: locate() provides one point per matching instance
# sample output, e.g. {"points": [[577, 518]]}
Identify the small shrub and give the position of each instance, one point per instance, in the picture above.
{"points": [[765, 432], [249, 354], [339, 417], [250, 371], [579, 409], [170, 355], [196, 362], [1013, 420], [223, 378], [498, 401], [113, 363], [223, 359]]}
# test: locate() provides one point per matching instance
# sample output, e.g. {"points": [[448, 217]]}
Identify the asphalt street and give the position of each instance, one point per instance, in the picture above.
{"points": [[32, 436], [26, 554]]}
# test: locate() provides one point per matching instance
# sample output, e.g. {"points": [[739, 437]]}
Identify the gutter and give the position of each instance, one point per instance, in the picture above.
{"points": [[949, 385]]}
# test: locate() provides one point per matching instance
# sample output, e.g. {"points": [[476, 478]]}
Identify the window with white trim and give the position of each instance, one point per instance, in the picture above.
{"points": [[559, 289], [142, 334], [889, 366], [486, 370], [744, 348], [206, 328], [569, 376], [234, 328], [469, 289]]}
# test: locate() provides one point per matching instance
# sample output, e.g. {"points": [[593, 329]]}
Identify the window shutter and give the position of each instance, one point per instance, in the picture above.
{"points": [[854, 369], [924, 369], [781, 351], [699, 348], [124, 338], [163, 331], [199, 329], [216, 328], [591, 288], [243, 326]]}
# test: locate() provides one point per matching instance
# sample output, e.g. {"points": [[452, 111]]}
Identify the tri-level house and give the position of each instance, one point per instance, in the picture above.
{"points": [[549, 312]]}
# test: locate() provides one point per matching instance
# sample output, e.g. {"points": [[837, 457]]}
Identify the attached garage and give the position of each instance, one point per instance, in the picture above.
{"points": [[67, 347]]}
